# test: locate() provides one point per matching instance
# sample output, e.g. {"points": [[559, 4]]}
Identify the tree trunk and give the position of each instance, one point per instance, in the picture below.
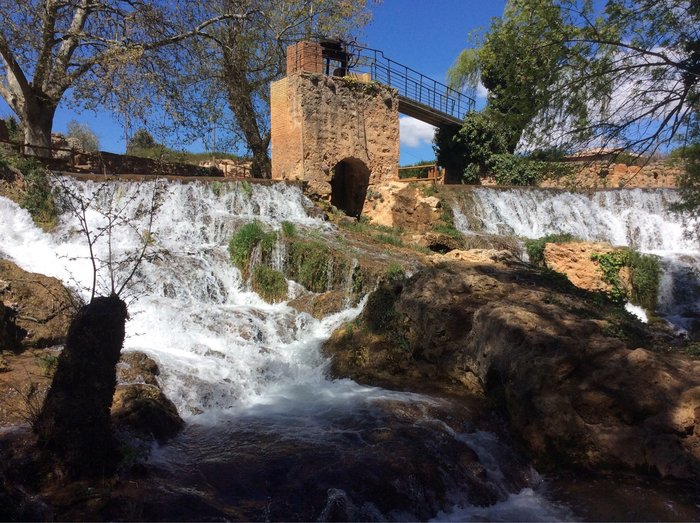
{"points": [[261, 166], [74, 426], [38, 122]]}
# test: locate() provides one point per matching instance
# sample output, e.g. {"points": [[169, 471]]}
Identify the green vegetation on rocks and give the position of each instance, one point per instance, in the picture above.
{"points": [[244, 242], [644, 276], [312, 264], [269, 284]]}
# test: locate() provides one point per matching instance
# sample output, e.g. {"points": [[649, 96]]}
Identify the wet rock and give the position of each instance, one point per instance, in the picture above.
{"points": [[44, 307], [320, 305], [144, 409], [567, 370], [137, 367]]}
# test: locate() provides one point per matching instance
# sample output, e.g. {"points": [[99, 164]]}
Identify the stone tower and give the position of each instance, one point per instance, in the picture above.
{"points": [[336, 131]]}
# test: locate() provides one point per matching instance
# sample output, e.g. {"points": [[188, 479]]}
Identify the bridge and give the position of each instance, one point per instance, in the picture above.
{"points": [[420, 97]]}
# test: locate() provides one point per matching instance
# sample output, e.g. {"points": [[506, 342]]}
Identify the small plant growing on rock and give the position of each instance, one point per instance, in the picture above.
{"points": [[394, 271], [644, 276], [289, 230]]}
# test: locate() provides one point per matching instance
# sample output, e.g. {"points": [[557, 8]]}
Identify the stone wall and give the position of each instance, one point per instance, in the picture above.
{"points": [[604, 175], [318, 121]]}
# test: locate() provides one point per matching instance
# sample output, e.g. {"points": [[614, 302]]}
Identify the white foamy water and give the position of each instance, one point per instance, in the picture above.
{"points": [[638, 218], [220, 347]]}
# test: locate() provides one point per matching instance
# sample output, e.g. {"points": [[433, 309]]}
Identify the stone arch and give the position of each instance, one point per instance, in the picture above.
{"points": [[349, 186]]}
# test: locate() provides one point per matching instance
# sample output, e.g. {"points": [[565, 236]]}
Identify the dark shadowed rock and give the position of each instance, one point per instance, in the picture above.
{"points": [[146, 410], [44, 307], [73, 428]]}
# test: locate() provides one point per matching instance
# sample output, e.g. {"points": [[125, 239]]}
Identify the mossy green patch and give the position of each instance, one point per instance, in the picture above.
{"points": [[246, 240], [269, 284]]}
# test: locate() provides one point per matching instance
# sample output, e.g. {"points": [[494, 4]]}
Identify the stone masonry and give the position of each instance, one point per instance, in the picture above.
{"points": [[327, 127]]}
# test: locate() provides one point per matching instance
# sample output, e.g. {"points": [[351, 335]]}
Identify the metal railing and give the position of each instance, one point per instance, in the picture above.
{"points": [[410, 83]]}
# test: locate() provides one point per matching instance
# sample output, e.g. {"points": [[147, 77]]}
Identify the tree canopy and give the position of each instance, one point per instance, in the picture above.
{"points": [[576, 73]]}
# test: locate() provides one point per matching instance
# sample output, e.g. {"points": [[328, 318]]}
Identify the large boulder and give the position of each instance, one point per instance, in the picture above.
{"points": [[144, 409], [568, 370]]}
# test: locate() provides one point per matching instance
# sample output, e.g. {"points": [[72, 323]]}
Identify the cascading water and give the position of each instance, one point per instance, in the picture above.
{"points": [[639, 218], [267, 429]]}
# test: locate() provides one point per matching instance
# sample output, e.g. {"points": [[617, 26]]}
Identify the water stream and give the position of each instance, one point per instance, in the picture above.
{"points": [[269, 435], [638, 218]]}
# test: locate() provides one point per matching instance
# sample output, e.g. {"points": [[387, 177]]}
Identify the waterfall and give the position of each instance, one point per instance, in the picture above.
{"points": [[638, 218]]}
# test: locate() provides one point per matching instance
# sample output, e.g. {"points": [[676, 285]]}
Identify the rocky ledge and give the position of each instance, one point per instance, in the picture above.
{"points": [[576, 376]]}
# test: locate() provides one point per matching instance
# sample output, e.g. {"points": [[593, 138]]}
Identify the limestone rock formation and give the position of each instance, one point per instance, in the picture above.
{"points": [[569, 372], [573, 259]]}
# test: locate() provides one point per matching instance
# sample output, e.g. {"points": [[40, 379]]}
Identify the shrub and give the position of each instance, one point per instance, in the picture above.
{"points": [[644, 276], [509, 169], [38, 198], [269, 284], [246, 239], [535, 248]]}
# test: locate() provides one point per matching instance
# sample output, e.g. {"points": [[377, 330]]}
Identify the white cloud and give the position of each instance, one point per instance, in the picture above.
{"points": [[414, 133], [481, 91]]}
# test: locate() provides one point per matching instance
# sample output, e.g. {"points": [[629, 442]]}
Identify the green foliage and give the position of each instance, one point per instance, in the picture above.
{"points": [[289, 230], [14, 130], [86, 138], [610, 264], [535, 248], [469, 149], [247, 188], [391, 239], [217, 188], [644, 275], [38, 198], [244, 242], [509, 169], [312, 264], [48, 363], [269, 284], [394, 271], [141, 140]]}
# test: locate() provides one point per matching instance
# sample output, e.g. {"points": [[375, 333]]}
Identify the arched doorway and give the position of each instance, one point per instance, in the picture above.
{"points": [[349, 186]]}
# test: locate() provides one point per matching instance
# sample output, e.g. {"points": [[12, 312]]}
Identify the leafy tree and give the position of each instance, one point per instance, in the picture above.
{"points": [[84, 136], [142, 139], [622, 73], [465, 152], [517, 60], [51, 48]]}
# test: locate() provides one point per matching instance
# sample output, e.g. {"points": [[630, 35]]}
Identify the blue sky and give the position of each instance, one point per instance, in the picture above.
{"points": [[426, 35]]}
